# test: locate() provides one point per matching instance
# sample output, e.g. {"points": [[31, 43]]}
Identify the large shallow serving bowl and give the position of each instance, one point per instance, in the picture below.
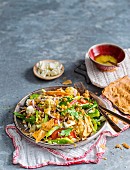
{"points": [[106, 49], [22, 130]]}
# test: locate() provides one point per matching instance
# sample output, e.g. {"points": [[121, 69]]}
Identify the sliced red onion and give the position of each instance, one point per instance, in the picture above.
{"points": [[58, 121], [75, 92], [33, 103]]}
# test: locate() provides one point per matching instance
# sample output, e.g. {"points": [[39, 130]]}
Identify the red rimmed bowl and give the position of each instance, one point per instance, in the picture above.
{"points": [[106, 49]]}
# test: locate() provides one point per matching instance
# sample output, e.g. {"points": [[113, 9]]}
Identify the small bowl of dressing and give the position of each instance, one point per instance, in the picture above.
{"points": [[106, 56]]}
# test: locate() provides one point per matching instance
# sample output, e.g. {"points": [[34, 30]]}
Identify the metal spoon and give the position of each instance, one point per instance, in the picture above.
{"points": [[115, 64]]}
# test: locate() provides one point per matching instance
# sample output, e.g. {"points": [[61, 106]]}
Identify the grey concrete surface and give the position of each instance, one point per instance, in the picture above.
{"points": [[32, 30]]}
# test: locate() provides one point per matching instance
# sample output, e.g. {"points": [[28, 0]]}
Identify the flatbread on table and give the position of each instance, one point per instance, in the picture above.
{"points": [[118, 92]]}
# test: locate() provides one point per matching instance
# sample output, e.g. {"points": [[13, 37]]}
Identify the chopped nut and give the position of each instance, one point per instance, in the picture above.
{"points": [[67, 82], [103, 146], [125, 145], [118, 146], [104, 158]]}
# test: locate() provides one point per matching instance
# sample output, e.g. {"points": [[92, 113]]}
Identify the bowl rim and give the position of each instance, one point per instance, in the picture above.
{"points": [[100, 44]]}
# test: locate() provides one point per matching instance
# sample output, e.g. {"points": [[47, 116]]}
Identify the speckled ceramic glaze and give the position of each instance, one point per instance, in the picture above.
{"points": [[106, 49], [21, 129]]}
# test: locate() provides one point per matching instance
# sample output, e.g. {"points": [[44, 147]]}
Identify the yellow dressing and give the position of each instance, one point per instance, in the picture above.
{"points": [[106, 59]]}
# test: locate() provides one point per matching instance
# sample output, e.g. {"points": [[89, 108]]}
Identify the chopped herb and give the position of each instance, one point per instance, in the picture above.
{"points": [[66, 132], [72, 112]]}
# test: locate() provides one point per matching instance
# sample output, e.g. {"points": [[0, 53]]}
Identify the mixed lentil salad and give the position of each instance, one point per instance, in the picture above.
{"points": [[62, 116]]}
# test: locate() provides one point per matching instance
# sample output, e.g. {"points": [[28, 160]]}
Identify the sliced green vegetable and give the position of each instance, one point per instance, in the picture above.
{"points": [[19, 115], [34, 96], [94, 124], [65, 140], [38, 126], [86, 106], [98, 121], [95, 104], [37, 114], [89, 105], [101, 119], [66, 132], [31, 119], [94, 113], [46, 118], [49, 133]]}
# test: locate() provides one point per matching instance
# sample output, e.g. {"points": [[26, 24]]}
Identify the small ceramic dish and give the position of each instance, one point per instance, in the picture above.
{"points": [[105, 50], [47, 66]]}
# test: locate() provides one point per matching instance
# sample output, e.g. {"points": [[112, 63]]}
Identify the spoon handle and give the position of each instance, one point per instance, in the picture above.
{"points": [[124, 119], [115, 64], [111, 123]]}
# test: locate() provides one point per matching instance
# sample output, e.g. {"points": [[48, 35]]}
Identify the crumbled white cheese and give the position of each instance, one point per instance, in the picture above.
{"points": [[49, 69], [30, 102], [30, 110]]}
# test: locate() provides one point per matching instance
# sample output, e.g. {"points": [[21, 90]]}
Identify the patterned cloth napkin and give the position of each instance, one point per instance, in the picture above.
{"points": [[29, 155], [102, 79]]}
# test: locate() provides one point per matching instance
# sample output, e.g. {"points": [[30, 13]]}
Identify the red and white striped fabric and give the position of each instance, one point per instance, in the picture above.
{"points": [[29, 155]]}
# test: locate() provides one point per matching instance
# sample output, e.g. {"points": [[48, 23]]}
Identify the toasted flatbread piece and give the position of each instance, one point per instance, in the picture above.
{"points": [[118, 92], [67, 82]]}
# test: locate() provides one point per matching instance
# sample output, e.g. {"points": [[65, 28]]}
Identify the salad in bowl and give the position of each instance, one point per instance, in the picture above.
{"points": [[58, 116]]}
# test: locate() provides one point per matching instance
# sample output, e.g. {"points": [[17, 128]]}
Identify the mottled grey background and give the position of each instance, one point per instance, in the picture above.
{"points": [[32, 30]]}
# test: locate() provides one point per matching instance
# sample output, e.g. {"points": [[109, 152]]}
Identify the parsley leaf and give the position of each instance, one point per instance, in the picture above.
{"points": [[71, 111], [66, 132]]}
